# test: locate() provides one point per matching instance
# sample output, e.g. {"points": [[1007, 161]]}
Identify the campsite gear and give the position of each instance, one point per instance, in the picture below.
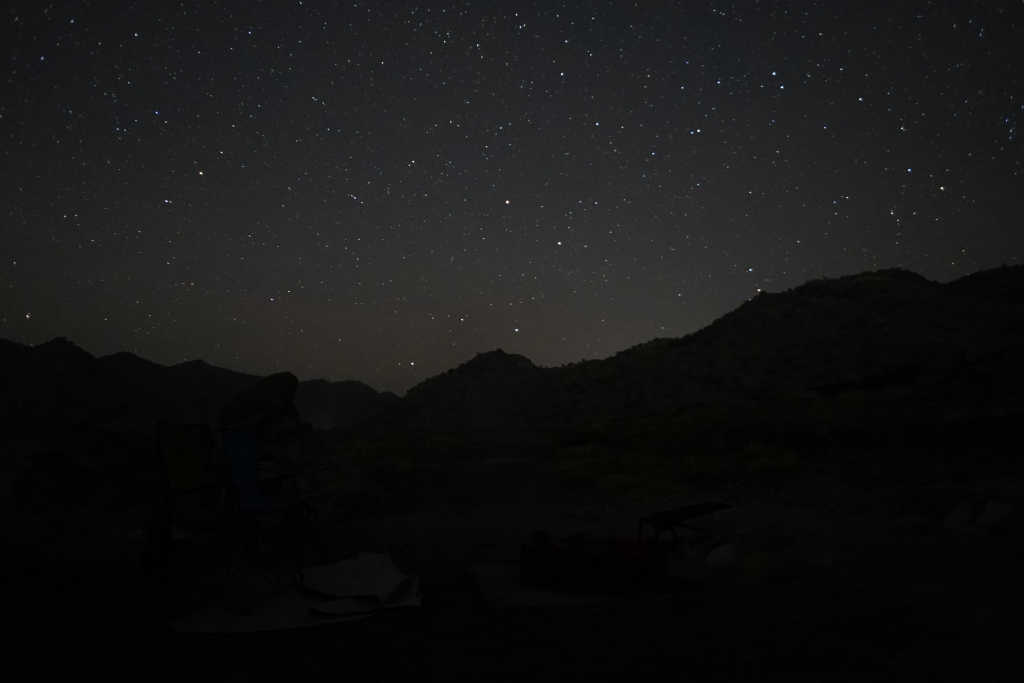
{"points": [[262, 438], [191, 496], [243, 490], [361, 585], [189, 456], [677, 518], [352, 589], [242, 451]]}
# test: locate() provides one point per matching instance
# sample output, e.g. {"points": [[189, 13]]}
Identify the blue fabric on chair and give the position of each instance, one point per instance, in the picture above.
{"points": [[242, 449]]}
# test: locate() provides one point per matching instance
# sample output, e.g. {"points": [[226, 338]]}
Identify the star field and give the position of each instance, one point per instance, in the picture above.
{"points": [[378, 190]]}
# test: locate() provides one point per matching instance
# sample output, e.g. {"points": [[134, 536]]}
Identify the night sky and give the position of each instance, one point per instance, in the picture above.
{"points": [[380, 190]]}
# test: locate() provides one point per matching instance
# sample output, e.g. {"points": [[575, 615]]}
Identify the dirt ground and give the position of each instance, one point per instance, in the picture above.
{"points": [[802, 597], [851, 574]]}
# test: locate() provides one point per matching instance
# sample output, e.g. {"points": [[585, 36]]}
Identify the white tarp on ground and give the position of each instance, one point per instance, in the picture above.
{"points": [[348, 590], [367, 575]]}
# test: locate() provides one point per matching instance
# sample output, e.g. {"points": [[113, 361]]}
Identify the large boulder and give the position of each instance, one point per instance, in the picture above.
{"points": [[270, 399]]}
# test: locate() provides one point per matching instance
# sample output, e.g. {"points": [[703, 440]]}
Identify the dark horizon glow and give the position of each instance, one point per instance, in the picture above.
{"points": [[377, 191]]}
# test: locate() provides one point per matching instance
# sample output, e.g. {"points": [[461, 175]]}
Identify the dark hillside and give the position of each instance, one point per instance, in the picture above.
{"points": [[861, 429], [867, 353]]}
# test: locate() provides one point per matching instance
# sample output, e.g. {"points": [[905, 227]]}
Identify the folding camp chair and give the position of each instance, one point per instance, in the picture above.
{"points": [[271, 524], [190, 499]]}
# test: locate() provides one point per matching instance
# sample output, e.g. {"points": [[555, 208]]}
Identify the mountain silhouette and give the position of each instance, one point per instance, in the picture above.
{"points": [[340, 405], [877, 328], [877, 351], [889, 345], [870, 418], [59, 385]]}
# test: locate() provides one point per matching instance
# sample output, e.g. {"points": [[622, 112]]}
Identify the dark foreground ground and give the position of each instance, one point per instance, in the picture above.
{"points": [[882, 578], [871, 625]]}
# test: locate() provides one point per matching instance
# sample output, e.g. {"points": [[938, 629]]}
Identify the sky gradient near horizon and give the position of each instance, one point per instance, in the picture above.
{"points": [[380, 190]]}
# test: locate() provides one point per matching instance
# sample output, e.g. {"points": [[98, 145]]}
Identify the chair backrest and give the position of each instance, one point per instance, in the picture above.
{"points": [[189, 456], [243, 451]]}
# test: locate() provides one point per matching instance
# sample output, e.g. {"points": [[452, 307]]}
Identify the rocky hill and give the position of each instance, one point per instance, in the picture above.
{"points": [[340, 405], [57, 392], [868, 353], [873, 353], [863, 428]]}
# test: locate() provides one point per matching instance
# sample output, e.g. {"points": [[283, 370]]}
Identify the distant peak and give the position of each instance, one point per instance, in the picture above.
{"points": [[891, 274], [11, 344], [885, 280], [883, 274], [486, 367], [127, 355], [61, 346], [1003, 282], [500, 357], [345, 386], [127, 358], [194, 363], [57, 342]]}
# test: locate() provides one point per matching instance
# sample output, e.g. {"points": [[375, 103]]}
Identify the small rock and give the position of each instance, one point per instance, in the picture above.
{"points": [[993, 513], [722, 556], [959, 518]]}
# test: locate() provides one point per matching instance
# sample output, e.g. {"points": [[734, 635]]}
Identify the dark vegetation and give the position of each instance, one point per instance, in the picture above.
{"points": [[864, 429]]}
